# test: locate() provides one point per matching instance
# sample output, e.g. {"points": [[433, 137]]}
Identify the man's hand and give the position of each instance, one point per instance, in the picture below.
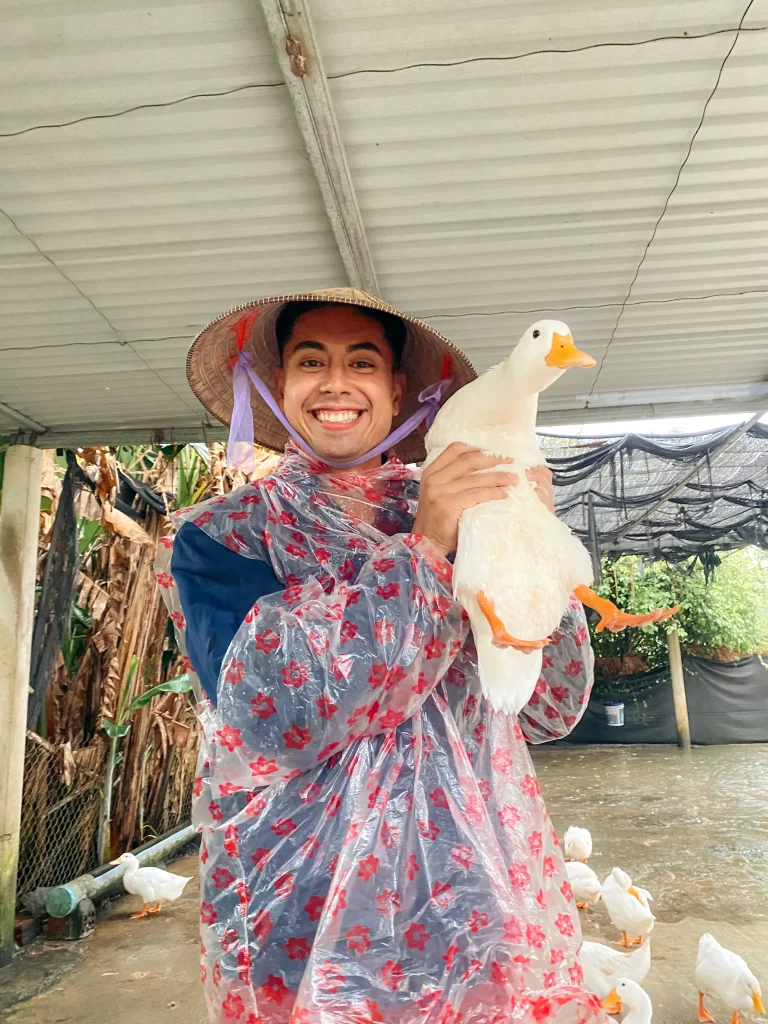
{"points": [[541, 476], [452, 484]]}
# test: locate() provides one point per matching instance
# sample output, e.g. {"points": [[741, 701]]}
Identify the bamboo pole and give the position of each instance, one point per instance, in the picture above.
{"points": [[19, 524], [678, 690]]}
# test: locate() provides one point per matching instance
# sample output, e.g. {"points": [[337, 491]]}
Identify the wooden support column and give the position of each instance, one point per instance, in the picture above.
{"points": [[678, 690], [19, 525]]}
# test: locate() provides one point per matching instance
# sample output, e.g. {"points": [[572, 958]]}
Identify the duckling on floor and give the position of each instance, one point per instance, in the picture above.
{"points": [[724, 974], [628, 993], [577, 844], [154, 885], [584, 882], [627, 907], [603, 967]]}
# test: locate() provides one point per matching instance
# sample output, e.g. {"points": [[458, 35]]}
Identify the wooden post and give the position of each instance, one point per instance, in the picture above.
{"points": [[678, 690], [19, 525]]}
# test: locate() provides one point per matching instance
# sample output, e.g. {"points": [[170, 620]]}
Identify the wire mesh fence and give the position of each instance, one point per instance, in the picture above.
{"points": [[60, 813], [61, 804]]}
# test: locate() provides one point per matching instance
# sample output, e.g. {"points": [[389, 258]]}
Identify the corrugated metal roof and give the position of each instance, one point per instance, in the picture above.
{"points": [[524, 179]]}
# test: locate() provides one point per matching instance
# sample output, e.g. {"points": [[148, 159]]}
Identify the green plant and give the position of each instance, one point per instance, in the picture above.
{"points": [[726, 608], [192, 480], [116, 731]]}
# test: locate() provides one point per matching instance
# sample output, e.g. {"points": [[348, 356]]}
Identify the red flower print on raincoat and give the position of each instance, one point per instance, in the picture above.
{"points": [[375, 812]]}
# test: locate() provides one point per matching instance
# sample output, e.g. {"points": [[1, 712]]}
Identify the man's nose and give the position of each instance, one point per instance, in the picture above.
{"points": [[335, 380]]}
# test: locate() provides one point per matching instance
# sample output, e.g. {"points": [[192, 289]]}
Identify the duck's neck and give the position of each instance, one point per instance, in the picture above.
{"points": [[640, 1015], [521, 391]]}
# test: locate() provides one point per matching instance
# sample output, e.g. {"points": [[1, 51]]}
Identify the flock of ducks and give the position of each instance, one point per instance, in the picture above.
{"points": [[616, 977]]}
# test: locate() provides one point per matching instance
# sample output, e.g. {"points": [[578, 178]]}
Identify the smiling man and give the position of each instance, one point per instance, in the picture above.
{"points": [[375, 848]]}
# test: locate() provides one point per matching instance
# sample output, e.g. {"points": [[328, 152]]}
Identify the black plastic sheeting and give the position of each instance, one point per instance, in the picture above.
{"points": [[54, 606], [727, 703]]}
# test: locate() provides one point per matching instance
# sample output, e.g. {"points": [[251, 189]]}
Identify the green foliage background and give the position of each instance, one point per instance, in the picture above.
{"points": [[728, 610]]}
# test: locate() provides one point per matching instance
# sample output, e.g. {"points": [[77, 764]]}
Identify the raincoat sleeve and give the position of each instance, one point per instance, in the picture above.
{"points": [[309, 672], [217, 587], [561, 694]]}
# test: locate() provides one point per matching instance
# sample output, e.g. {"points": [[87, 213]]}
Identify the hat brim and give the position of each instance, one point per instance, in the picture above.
{"points": [[425, 360]]}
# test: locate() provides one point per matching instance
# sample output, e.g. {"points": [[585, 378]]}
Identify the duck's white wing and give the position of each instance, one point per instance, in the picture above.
{"points": [[601, 958], [158, 884]]}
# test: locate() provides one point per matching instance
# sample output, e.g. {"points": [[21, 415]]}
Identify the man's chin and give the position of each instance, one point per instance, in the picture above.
{"points": [[339, 449]]}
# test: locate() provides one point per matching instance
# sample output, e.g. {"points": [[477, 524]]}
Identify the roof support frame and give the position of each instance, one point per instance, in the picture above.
{"points": [[293, 37]]}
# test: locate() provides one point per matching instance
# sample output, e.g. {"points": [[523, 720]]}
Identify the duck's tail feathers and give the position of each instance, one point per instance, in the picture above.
{"points": [[640, 961]]}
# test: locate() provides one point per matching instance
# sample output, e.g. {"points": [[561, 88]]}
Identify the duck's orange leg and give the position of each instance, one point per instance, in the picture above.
{"points": [[613, 618], [705, 1017], [501, 638], [142, 913]]}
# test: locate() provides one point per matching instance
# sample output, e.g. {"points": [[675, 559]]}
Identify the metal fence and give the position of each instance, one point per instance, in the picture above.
{"points": [[60, 810], [59, 817]]}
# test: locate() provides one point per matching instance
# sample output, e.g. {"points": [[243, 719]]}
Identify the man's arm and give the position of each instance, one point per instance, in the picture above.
{"points": [[562, 692], [309, 672]]}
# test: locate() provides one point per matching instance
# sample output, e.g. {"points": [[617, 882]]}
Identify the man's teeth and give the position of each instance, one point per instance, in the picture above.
{"points": [[336, 417]]}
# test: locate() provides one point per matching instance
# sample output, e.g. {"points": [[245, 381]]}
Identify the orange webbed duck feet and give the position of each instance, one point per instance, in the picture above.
{"points": [[502, 638], [613, 618]]}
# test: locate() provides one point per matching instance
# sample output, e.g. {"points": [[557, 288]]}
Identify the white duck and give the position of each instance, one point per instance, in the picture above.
{"points": [[628, 993], [153, 884], [517, 565], [577, 843], [603, 967], [584, 882], [627, 907], [724, 974]]}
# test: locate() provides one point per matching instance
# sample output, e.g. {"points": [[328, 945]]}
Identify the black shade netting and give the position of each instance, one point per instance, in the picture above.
{"points": [[669, 496]]}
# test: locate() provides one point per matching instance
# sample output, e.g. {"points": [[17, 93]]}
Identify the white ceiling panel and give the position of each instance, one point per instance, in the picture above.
{"points": [[510, 162]]}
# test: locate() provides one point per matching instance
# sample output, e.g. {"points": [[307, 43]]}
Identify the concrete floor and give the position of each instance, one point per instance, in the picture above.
{"points": [[691, 829]]}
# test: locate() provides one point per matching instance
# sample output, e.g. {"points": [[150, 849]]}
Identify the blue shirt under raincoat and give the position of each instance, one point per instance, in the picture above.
{"points": [[375, 847]]}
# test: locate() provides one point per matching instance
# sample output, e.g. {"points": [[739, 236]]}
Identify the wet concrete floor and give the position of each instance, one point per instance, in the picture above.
{"points": [[693, 829]]}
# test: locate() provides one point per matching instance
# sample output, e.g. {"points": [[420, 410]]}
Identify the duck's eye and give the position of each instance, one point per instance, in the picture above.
{"points": [[536, 334]]}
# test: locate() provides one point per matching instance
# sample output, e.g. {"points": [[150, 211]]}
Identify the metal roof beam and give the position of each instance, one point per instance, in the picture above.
{"points": [[290, 27]]}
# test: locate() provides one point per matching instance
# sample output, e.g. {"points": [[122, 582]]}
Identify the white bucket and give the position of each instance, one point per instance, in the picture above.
{"points": [[614, 712]]}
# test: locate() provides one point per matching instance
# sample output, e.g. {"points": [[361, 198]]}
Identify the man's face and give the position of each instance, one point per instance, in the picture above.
{"points": [[337, 387]]}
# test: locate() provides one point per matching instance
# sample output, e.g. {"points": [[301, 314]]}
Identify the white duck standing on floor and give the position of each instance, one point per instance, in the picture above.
{"points": [[628, 993], [724, 974], [577, 843], [584, 882], [154, 885], [517, 565], [627, 907], [604, 967]]}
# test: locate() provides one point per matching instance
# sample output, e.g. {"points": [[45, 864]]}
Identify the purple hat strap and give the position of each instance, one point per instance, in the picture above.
{"points": [[241, 437]]}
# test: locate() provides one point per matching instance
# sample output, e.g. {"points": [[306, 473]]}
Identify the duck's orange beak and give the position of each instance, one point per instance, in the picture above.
{"points": [[563, 353], [633, 892], [612, 1002], [757, 1002]]}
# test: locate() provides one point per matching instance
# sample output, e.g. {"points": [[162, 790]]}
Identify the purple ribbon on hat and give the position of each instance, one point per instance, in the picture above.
{"points": [[241, 440]]}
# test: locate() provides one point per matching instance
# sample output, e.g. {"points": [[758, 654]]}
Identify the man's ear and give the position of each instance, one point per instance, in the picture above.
{"points": [[398, 392], [280, 385]]}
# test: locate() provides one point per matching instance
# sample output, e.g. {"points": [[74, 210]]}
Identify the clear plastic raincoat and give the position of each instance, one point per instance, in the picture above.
{"points": [[375, 847]]}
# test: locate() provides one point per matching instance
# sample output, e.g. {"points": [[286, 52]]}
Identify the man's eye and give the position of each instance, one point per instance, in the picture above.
{"points": [[311, 363], [362, 364]]}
